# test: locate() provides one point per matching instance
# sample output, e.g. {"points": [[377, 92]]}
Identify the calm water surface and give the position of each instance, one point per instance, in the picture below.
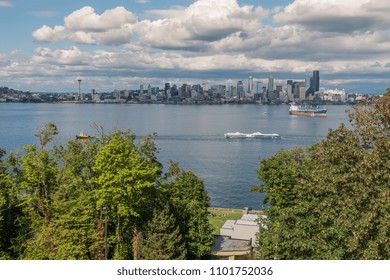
{"points": [[190, 135]]}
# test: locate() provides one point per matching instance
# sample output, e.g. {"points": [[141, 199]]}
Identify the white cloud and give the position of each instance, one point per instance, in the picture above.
{"points": [[6, 4], [202, 22], [84, 26], [340, 16], [339, 37], [142, 1], [87, 20], [50, 35], [66, 56]]}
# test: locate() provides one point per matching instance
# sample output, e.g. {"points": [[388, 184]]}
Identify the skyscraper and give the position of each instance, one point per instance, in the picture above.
{"points": [[316, 80], [240, 89], [250, 84], [270, 87], [314, 83]]}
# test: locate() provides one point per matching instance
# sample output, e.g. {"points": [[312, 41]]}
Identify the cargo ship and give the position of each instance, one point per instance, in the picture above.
{"points": [[301, 110]]}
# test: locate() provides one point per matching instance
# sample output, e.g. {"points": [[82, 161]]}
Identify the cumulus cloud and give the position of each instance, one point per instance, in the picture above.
{"points": [[202, 22], [86, 19], [66, 56], [6, 4], [84, 26], [50, 35], [341, 16], [220, 37]]}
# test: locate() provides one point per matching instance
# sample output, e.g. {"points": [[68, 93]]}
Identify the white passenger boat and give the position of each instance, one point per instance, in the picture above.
{"points": [[264, 135], [235, 135], [251, 135]]}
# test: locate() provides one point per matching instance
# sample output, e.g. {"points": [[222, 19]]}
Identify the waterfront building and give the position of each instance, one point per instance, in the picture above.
{"points": [[335, 95], [95, 96]]}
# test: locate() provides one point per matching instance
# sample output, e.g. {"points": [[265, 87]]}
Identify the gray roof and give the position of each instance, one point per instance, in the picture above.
{"points": [[224, 243]]}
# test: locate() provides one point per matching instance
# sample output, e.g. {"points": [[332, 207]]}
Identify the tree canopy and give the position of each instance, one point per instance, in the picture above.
{"points": [[332, 199], [97, 199]]}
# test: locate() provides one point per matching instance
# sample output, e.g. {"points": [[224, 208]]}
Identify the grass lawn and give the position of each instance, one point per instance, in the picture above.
{"points": [[218, 216]]}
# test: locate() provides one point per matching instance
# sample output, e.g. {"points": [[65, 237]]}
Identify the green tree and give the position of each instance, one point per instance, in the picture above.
{"points": [[8, 212], [331, 201], [125, 175], [190, 202], [75, 220], [37, 177], [163, 240]]}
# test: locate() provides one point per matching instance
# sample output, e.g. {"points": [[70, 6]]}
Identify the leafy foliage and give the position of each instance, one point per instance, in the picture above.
{"points": [[92, 200], [331, 201]]}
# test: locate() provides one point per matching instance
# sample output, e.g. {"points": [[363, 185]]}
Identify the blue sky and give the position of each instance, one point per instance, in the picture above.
{"points": [[120, 44]]}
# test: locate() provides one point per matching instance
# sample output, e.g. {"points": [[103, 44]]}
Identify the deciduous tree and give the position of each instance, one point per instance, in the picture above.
{"points": [[331, 200]]}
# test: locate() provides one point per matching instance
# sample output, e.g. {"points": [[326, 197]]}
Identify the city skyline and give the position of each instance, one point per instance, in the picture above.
{"points": [[117, 44]]}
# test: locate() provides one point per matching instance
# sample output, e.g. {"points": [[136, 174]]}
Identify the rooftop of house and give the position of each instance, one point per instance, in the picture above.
{"points": [[223, 243]]}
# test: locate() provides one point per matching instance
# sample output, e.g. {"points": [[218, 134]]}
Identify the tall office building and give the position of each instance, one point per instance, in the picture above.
{"points": [[316, 80], [250, 84], [314, 83], [289, 89], [270, 87], [240, 89], [302, 90]]}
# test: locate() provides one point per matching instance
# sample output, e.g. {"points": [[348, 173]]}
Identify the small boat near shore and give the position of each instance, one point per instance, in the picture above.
{"points": [[257, 135], [83, 136]]}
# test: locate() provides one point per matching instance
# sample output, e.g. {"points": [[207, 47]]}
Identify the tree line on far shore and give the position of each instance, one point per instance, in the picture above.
{"points": [[101, 198]]}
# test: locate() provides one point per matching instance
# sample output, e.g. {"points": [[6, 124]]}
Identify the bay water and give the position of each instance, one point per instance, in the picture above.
{"points": [[192, 135]]}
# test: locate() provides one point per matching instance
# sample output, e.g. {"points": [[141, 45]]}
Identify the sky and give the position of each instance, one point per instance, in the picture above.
{"points": [[46, 45]]}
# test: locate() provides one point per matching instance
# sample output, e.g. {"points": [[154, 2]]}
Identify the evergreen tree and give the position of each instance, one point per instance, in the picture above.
{"points": [[190, 202], [162, 240]]}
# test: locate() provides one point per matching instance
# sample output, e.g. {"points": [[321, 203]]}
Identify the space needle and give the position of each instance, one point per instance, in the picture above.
{"points": [[79, 80]]}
